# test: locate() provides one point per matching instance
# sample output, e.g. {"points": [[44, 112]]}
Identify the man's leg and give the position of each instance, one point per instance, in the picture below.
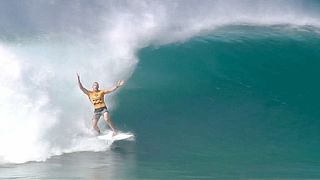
{"points": [[108, 120], [95, 123]]}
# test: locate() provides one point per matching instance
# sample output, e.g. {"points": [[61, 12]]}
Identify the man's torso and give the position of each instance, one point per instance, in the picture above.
{"points": [[97, 99]]}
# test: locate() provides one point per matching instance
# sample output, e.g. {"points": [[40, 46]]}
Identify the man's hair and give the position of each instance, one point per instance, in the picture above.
{"points": [[96, 84]]}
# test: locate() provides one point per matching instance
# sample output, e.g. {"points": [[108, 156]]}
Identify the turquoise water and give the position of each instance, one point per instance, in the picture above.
{"points": [[242, 102], [239, 103], [214, 90]]}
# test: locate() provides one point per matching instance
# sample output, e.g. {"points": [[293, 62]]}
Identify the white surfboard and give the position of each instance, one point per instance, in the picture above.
{"points": [[119, 136]]}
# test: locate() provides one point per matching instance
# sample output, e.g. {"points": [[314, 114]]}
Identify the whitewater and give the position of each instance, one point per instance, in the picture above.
{"points": [[44, 44]]}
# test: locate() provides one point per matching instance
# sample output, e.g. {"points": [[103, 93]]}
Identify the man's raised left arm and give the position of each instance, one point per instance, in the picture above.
{"points": [[119, 84]]}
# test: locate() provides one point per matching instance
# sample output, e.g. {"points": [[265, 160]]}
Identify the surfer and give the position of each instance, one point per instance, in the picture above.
{"points": [[96, 97]]}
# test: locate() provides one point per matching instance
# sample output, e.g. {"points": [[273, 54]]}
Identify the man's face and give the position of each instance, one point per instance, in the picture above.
{"points": [[95, 86]]}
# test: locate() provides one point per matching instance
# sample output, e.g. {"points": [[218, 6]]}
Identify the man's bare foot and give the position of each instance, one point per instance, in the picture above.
{"points": [[96, 133], [114, 133]]}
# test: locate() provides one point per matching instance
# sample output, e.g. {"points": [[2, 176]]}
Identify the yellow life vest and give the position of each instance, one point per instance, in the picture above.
{"points": [[97, 98]]}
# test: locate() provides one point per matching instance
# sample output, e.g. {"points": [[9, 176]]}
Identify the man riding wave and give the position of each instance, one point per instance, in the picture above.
{"points": [[96, 97]]}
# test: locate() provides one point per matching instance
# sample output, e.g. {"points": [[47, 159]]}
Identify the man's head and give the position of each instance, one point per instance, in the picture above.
{"points": [[95, 86]]}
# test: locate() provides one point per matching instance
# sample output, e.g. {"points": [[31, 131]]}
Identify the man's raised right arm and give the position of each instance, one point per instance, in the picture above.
{"points": [[84, 90]]}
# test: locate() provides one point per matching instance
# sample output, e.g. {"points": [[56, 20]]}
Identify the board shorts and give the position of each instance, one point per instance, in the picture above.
{"points": [[99, 112]]}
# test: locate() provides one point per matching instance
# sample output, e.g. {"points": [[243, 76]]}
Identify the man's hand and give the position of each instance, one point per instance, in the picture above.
{"points": [[120, 83], [78, 77]]}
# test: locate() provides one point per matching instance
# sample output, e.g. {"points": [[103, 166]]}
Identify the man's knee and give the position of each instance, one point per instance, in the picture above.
{"points": [[106, 117]]}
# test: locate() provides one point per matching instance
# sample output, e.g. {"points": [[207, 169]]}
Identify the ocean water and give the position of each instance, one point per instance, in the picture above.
{"points": [[239, 103], [214, 90]]}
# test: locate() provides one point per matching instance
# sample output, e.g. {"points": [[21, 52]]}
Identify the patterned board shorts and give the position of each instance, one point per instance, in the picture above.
{"points": [[99, 112]]}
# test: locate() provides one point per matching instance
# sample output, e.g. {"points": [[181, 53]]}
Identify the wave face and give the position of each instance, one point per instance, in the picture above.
{"points": [[240, 102], [43, 45]]}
